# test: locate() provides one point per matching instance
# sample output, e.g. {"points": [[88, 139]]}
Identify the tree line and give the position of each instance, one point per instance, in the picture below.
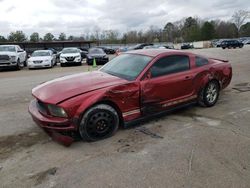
{"points": [[188, 29]]}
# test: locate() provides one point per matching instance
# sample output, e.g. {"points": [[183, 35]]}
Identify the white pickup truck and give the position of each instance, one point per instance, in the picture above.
{"points": [[12, 56]]}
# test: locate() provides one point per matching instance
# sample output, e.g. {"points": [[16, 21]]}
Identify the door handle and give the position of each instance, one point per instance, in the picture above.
{"points": [[188, 77]]}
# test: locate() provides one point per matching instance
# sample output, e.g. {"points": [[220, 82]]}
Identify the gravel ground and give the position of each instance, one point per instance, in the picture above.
{"points": [[192, 147]]}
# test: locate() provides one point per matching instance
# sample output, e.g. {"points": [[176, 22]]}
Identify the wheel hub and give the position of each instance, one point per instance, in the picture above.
{"points": [[100, 124], [211, 93]]}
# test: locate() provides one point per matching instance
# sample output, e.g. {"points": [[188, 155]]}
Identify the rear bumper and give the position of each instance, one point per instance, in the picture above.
{"points": [[51, 123]]}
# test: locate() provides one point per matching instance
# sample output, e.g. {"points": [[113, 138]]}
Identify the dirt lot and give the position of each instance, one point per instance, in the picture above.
{"points": [[193, 147]]}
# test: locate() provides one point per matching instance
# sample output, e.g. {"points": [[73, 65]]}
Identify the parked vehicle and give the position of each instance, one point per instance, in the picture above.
{"points": [[12, 56], [83, 53], [218, 43], [245, 42], [98, 54], [107, 50], [41, 59], [159, 46], [140, 46], [133, 86], [231, 44], [53, 50], [121, 50], [186, 46], [70, 56]]}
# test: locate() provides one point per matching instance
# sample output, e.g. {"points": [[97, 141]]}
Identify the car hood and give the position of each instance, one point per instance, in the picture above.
{"points": [[8, 53], [60, 89], [70, 54], [40, 58]]}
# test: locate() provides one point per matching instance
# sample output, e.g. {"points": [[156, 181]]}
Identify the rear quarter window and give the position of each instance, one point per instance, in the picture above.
{"points": [[200, 61]]}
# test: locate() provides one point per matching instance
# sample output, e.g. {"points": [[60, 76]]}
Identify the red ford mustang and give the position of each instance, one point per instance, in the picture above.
{"points": [[132, 86]]}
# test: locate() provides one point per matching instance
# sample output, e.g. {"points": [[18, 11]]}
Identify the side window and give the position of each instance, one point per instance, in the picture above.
{"points": [[169, 65], [200, 61]]}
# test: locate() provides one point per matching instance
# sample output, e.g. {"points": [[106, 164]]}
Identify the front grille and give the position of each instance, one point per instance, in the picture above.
{"points": [[42, 107], [4, 57], [37, 62], [70, 58], [4, 63]]}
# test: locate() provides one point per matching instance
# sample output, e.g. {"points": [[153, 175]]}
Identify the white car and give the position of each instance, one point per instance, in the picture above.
{"points": [[41, 59], [70, 56], [12, 56]]}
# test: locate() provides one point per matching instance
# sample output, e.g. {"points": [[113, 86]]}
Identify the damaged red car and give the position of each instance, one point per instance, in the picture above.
{"points": [[131, 87]]}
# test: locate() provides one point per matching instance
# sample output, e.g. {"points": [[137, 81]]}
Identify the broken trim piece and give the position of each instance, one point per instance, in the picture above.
{"points": [[179, 101], [136, 111]]}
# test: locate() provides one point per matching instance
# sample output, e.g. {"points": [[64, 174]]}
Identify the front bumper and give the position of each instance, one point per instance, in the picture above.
{"points": [[50, 123], [99, 61], [58, 129], [7, 63], [65, 61], [39, 65]]}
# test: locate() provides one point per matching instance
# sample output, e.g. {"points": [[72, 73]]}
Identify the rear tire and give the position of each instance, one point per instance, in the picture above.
{"points": [[209, 94], [99, 122]]}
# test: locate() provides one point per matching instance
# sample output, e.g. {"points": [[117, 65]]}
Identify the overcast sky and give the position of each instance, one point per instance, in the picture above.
{"points": [[75, 17]]}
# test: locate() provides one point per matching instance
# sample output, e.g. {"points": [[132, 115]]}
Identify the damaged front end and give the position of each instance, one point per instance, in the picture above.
{"points": [[60, 129]]}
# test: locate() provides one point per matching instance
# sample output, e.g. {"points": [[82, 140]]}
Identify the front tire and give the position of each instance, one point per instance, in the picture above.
{"points": [[18, 65], [99, 122], [210, 94]]}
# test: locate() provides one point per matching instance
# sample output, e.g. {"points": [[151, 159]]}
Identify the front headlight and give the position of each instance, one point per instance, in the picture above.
{"points": [[57, 111], [13, 58], [78, 56], [46, 61]]}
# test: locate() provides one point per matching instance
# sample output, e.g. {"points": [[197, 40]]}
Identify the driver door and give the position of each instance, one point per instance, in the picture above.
{"points": [[168, 81]]}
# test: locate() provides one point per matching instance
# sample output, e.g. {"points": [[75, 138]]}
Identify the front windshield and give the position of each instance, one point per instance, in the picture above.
{"points": [[40, 53], [126, 66], [70, 50], [96, 51], [7, 49]]}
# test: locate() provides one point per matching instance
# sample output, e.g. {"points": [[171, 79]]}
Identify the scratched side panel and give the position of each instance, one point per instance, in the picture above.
{"points": [[125, 96]]}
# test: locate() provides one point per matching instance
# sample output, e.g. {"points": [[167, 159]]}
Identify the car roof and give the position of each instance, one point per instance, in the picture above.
{"points": [[156, 52]]}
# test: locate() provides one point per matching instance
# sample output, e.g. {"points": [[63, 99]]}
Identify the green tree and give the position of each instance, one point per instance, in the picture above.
{"points": [[17, 36], [48, 37], [191, 30], [3, 39], [62, 37], [34, 37], [245, 30], [71, 37], [207, 31], [169, 30]]}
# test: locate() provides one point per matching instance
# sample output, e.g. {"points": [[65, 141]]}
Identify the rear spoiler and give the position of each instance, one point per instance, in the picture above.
{"points": [[219, 59]]}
